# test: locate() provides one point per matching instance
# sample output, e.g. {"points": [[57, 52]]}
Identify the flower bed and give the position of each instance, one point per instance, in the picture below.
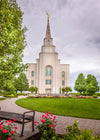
{"points": [[7, 130]]}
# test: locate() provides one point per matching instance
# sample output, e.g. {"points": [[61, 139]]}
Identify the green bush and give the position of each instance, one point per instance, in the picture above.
{"points": [[95, 96], [73, 133], [21, 94], [47, 127], [98, 94]]}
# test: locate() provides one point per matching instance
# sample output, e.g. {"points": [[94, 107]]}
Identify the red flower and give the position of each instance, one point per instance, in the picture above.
{"points": [[50, 125], [9, 138], [42, 120], [9, 120], [9, 123], [14, 120], [34, 121], [6, 121], [12, 132], [54, 130], [0, 137], [0, 127], [4, 131], [46, 117], [43, 115], [54, 125], [16, 127]]}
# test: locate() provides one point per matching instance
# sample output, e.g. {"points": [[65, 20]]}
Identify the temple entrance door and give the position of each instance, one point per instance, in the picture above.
{"points": [[48, 91]]}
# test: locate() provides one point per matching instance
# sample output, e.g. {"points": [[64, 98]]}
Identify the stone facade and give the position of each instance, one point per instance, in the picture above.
{"points": [[47, 73]]}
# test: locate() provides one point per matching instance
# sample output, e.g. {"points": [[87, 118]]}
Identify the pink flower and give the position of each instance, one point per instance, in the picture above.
{"points": [[38, 122], [6, 121], [34, 121], [9, 138], [0, 137], [9, 123], [12, 132], [50, 118], [42, 120], [50, 125], [54, 130], [4, 131], [43, 115], [54, 117], [16, 127], [51, 115], [54, 125]]}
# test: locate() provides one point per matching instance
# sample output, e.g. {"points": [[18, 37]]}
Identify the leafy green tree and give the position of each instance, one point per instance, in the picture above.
{"points": [[92, 84], [21, 83], [12, 41], [67, 89], [63, 90], [80, 83], [9, 87], [33, 89]]}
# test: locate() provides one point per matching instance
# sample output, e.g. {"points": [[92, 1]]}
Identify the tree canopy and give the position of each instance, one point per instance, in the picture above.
{"points": [[80, 83], [88, 85], [12, 40], [21, 83]]}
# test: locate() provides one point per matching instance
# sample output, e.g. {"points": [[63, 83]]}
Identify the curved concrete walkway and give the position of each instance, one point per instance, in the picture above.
{"points": [[62, 121]]}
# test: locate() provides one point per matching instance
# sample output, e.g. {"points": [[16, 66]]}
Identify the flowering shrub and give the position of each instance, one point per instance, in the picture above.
{"points": [[47, 126], [7, 130]]}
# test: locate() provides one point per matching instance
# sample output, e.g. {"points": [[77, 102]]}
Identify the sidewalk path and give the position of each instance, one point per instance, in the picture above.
{"points": [[62, 121]]}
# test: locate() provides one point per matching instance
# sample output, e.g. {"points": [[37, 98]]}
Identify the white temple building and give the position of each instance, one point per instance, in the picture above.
{"points": [[47, 74]]}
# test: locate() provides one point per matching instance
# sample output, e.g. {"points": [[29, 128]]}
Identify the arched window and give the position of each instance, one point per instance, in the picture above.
{"points": [[48, 71], [63, 74], [32, 73]]}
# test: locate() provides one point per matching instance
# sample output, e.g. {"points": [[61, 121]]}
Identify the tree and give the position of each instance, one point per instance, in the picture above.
{"points": [[21, 83], [12, 41], [91, 84], [80, 83], [33, 89], [63, 90], [67, 89]]}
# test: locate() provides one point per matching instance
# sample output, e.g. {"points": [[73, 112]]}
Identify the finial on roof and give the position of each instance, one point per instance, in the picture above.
{"points": [[48, 34], [47, 16]]}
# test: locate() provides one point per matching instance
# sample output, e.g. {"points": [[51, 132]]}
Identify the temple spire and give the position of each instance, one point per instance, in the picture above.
{"points": [[48, 33]]}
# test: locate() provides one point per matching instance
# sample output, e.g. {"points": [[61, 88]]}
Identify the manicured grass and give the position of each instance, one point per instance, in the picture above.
{"points": [[82, 108]]}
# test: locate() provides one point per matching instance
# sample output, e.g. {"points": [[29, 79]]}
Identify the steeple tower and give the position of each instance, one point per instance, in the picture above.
{"points": [[48, 33], [48, 41]]}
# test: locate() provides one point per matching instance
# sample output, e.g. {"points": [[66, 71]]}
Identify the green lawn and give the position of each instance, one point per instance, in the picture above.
{"points": [[82, 108], [2, 99]]}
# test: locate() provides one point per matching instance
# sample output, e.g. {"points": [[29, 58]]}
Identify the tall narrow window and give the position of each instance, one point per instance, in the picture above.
{"points": [[32, 73], [48, 42], [63, 82], [48, 82], [63, 74], [32, 82], [48, 71]]}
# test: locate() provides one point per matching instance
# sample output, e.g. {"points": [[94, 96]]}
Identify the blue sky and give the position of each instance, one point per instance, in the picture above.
{"points": [[75, 29]]}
